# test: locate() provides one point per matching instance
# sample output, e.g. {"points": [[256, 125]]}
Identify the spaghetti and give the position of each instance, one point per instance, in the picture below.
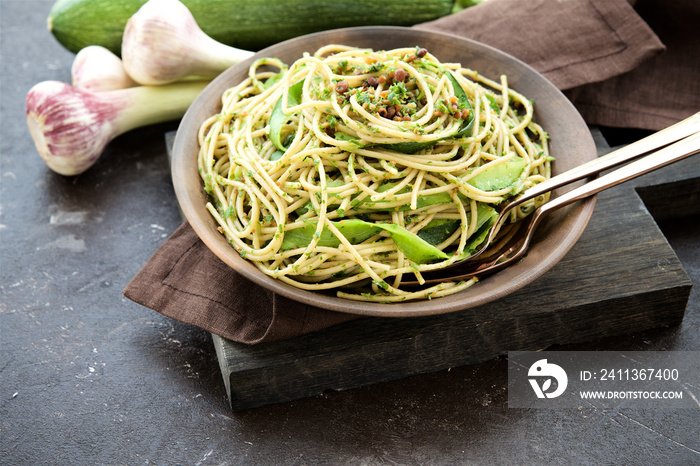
{"points": [[352, 167]]}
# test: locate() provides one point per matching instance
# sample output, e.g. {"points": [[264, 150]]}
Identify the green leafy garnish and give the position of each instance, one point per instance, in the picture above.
{"points": [[279, 118]]}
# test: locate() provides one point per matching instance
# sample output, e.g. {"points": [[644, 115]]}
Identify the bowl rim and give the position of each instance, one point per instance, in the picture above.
{"points": [[190, 202]]}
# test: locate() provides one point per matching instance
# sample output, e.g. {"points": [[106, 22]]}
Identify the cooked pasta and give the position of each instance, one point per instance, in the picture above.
{"points": [[351, 168]]}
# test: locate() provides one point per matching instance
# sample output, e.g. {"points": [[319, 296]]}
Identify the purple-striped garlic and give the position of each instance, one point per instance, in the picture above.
{"points": [[162, 43], [97, 69], [71, 127]]}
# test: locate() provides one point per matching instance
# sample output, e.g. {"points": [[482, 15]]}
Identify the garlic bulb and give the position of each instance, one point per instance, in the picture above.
{"points": [[71, 127], [97, 69], [162, 43]]}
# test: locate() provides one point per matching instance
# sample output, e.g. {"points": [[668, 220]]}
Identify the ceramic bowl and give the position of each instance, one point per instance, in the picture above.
{"points": [[571, 144]]}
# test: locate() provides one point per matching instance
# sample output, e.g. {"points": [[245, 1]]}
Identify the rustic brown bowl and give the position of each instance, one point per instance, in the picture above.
{"points": [[571, 145]]}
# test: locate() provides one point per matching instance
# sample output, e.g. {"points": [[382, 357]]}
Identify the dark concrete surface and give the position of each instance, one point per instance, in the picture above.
{"points": [[89, 378]]}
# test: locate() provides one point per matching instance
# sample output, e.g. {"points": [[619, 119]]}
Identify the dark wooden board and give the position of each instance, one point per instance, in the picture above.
{"points": [[621, 277]]}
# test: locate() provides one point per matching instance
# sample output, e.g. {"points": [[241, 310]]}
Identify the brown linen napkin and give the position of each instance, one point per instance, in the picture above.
{"points": [[662, 90], [623, 63], [574, 43], [185, 281]]}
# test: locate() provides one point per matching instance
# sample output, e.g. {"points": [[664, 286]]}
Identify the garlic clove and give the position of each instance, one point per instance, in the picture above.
{"points": [[71, 127], [97, 69], [162, 43]]}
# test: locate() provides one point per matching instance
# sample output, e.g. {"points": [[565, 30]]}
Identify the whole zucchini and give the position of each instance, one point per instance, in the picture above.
{"points": [[246, 24]]}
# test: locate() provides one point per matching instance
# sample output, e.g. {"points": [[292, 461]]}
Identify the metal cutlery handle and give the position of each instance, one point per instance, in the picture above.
{"points": [[666, 156], [652, 142]]}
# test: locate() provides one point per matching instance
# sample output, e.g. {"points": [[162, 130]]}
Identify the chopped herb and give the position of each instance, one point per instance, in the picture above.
{"points": [[381, 284]]}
